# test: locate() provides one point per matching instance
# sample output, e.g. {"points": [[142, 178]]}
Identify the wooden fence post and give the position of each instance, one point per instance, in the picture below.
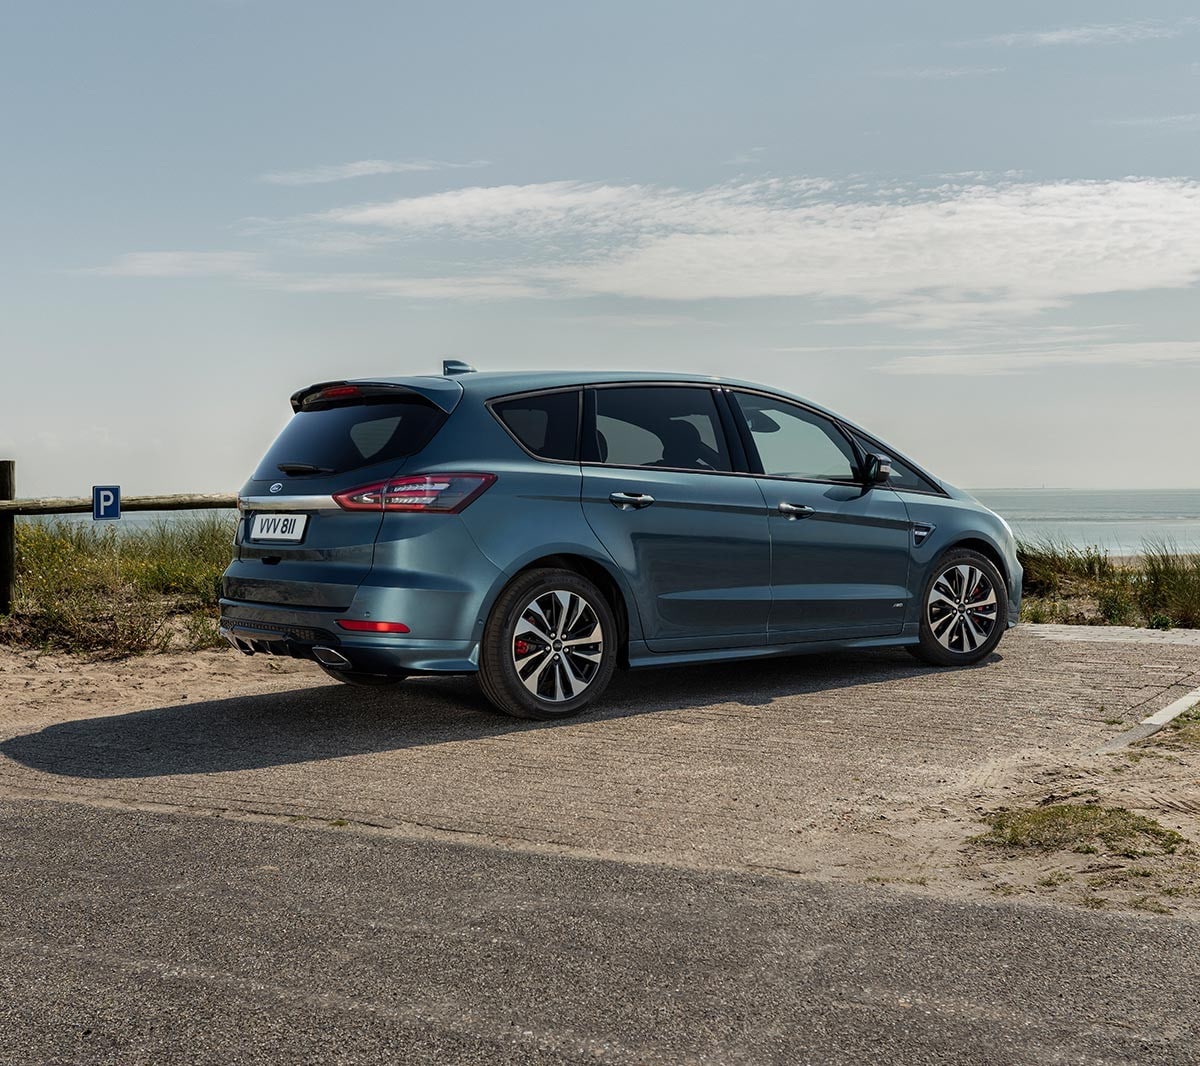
{"points": [[8, 539]]}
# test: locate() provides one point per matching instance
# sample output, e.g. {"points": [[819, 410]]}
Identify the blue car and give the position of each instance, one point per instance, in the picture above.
{"points": [[541, 529]]}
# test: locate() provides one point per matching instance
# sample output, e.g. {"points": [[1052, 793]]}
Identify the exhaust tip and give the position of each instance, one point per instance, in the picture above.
{"points": [[329, 656]]}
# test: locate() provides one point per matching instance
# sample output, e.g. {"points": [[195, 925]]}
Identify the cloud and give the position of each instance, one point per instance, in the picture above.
{"points": [[179, 264], [474, 287], [958, 252], [743, 159], [1159, 122], [939, 73], [1094, 34], [494, 208], [910, 256], [362, 168], [976, 363]]}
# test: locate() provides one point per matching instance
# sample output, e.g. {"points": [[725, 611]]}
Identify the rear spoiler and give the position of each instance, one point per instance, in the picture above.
{"points": [[442, 393]]}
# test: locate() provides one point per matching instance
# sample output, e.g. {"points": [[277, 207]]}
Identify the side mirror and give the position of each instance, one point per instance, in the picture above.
{"points": [[877, 469]]}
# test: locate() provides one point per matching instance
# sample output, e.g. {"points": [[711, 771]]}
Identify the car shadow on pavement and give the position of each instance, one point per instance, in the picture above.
{"points": [[336, 721]]}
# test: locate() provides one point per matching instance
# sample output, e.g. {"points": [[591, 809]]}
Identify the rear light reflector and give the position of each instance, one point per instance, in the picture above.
{"points": [[359, 625], [434, 493]]}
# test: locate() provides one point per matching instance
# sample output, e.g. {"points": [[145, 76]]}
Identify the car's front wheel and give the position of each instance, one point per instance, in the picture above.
{"points": [[549, 647], [964, 610]]}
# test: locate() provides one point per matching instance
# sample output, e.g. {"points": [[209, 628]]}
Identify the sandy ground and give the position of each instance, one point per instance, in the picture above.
{"points": [[860, 768]]}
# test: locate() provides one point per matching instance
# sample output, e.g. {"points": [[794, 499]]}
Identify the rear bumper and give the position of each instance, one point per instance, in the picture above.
{"points": [[261, 629]]}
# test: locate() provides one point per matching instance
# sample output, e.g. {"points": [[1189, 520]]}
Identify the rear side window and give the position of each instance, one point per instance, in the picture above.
{"points": [[677, 428], [903, 475], [337, 439], [546, 425]]}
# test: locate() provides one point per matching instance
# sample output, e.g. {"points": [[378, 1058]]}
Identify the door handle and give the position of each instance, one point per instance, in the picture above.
{"points": [[796, 510], [630, 501]]}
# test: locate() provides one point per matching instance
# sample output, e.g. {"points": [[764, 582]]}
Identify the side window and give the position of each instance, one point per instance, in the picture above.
{"points": [[794, 442], [903, 475], [547, 424], [658, 425]]}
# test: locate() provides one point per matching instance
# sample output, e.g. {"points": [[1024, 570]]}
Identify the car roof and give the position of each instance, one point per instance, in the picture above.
{"points": [[486, 384], [446, 389]]}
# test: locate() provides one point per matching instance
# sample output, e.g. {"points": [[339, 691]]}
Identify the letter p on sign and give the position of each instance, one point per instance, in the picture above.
{"points": [[106, 502]]}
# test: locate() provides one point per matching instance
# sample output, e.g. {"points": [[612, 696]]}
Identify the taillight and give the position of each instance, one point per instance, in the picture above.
{"points": [[433, 493]]}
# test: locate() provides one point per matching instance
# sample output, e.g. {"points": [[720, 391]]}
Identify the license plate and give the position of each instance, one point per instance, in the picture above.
{"points": [[278, 526]]}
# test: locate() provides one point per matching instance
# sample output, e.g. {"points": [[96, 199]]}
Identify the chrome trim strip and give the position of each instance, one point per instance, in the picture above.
{"points": [[287, 503]]}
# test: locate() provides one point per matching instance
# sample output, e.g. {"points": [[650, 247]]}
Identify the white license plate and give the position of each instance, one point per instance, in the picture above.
{"points": [[278, 526]]}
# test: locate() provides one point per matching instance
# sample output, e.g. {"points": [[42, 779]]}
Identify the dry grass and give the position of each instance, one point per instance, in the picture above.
{"points": [[1088, 855], [1183, 733], [110, 593], [1077, 586], [1081, 827]]}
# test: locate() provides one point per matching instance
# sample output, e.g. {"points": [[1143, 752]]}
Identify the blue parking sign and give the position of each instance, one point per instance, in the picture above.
{"points": [[106, 502]]}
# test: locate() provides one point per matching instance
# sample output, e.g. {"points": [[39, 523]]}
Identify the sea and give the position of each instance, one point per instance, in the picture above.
{"points": [[1118, 521]]}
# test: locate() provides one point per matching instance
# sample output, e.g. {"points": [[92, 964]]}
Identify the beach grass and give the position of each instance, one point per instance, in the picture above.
{"points": [[94, 589], [90, 588], [1085, 586]]}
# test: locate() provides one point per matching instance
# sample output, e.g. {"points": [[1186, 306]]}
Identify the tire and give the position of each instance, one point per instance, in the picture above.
{"points": [[525, 668], [354, 677], [964, 610]]}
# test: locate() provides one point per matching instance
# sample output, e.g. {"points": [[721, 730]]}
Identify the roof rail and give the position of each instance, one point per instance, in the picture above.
{"points": [[450, 367]]}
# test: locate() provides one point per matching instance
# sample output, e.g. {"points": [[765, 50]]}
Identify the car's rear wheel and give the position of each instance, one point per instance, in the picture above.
{"points": [[357, 677], [549, 647], [964, 610]]}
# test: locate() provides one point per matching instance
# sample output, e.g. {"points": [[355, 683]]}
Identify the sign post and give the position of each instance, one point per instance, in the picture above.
{"points": [[106, 503]]}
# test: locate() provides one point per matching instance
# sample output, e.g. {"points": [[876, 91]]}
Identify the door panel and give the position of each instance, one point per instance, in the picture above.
{"points": [[840, 550], [697, 558], [840, 570]]}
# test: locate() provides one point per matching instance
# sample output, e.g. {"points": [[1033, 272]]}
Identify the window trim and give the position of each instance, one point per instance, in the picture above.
{"points": [[529, 394], [738, 439], [714, 390]]}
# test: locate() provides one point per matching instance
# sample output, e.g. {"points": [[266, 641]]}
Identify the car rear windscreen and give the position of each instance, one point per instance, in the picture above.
{"points": [[334, 440]]}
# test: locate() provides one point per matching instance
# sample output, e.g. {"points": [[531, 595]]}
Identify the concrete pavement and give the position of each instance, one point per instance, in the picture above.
{"points": [[849, 765]]}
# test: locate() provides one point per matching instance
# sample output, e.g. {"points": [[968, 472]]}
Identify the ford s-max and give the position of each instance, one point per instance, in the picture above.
{"points": [[541, 529]]}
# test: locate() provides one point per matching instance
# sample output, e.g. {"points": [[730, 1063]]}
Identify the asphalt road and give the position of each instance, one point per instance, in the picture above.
{"points": [[134, 937]]}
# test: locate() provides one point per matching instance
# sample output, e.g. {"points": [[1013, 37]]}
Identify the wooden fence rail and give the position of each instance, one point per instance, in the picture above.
{"points": [[10, 507]]}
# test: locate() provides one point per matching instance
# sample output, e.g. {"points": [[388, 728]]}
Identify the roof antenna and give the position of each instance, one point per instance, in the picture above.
{"points": [[450, 367]]}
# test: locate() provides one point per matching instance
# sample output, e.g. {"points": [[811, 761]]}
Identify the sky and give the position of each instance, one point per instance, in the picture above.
{"points": [[972, 228]]}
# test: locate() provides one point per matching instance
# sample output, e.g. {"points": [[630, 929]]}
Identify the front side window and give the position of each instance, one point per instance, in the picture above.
{"points": [[795, 442], [546, 424], [657, 425]]}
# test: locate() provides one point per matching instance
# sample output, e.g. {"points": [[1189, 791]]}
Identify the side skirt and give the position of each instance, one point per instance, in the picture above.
{"points": [[641, 656]]}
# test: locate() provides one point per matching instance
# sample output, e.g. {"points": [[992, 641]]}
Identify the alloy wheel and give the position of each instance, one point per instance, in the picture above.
{"points": [[557, 645], [961, 608]]}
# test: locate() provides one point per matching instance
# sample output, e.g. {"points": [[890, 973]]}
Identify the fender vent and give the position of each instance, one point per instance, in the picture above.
{"points": [[921, 531]]}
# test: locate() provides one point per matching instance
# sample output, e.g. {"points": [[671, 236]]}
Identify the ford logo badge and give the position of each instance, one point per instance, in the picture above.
{"points": [[277, 486]]}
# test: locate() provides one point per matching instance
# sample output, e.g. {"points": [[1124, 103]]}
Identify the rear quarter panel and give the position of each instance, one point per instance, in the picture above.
{"points": [[533, 509]]}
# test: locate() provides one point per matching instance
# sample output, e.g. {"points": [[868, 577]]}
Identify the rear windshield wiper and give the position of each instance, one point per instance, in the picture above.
{"points": [[302, 468]]}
